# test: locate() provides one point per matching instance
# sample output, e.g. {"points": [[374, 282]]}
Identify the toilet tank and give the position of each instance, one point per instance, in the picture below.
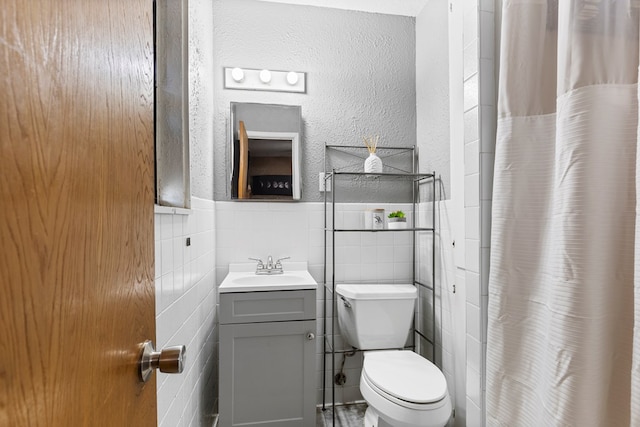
{"points": [[375, 316]]}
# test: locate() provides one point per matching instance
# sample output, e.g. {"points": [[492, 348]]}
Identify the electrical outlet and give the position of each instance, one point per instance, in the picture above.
{"points": [[322, 183]]}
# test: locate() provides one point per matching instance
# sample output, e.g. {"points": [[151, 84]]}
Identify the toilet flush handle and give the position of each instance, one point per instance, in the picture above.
{"points": [[345, 302]]}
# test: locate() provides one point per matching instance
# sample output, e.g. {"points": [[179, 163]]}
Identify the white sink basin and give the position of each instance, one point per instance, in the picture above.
{"points": [[280, 279], [242, 278]]}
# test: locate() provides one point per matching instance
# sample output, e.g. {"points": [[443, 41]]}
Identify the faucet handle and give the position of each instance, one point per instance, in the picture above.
{"points": [[260, 263], [279, 264]]}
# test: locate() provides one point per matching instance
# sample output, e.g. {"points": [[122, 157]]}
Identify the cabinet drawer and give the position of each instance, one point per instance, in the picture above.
{"points": [[271, 306]]}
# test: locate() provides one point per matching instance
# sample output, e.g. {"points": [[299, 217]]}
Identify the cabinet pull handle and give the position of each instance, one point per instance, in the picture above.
{"points": [[311, 336]]}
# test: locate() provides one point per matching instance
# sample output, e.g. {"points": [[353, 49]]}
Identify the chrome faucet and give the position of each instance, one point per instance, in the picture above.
{"points": [[270, 267]]}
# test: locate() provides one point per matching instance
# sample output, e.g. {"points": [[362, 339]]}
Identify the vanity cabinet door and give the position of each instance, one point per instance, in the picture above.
{"points": [[267, 374]]}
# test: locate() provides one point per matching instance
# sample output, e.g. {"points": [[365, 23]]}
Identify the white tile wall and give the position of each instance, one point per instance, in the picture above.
{"points": [[470, 66], [472, 188], [471, 92], [472, 222], [251, 229], [463, 128], [472, 148], [447, 280], [186, 313], [473, 287], [488, 96], [472, 255], [480, 125], [474, 414]]}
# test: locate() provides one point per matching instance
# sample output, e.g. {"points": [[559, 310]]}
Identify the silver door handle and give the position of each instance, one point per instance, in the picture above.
{"points": [[169, 360], [310, 336]]}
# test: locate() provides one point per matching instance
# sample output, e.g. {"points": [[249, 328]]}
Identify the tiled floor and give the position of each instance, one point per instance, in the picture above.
{"points": [[351, 415]]}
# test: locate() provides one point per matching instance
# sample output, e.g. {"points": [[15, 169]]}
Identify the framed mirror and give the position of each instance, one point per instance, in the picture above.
{"points": [[265, 152]]}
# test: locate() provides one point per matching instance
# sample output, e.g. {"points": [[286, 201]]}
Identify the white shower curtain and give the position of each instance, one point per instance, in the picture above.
{"points": [[561, 349]]}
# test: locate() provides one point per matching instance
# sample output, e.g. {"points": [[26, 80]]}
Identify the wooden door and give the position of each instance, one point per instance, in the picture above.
{"points": [[76, 216], [243, 190]]}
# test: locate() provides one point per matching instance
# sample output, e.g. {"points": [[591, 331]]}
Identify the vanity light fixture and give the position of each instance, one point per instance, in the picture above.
{"points": [[292, 78], [265, 76], [264, 79], [237, 74]]}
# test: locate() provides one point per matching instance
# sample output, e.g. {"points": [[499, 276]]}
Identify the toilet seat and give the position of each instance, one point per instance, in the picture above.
{"points": [[391, 379], [404, 377]]}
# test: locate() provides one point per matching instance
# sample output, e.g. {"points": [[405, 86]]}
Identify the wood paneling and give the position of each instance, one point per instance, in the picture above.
{"points": [[243, 190], [76, 217]]}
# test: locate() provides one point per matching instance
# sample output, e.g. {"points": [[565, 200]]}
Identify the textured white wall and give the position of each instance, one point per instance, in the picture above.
{"points": [[432, 91], [201, 70], [360, 75]]}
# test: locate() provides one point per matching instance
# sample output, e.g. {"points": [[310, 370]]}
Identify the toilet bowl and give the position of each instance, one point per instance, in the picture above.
{"points": [[403, 389]]}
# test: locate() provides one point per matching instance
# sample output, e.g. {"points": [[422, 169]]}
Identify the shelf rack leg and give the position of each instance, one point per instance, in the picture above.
{"points": [[433, 267]]}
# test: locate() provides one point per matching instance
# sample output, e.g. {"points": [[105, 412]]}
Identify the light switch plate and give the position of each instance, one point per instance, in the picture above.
{"points": [[322, 183]]}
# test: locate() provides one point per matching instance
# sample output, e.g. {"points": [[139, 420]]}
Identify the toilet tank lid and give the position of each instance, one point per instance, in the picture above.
{"points": [[377, 291]]}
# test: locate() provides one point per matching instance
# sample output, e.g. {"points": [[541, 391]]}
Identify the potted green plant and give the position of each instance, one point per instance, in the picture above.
{"points": [[396, 220]]}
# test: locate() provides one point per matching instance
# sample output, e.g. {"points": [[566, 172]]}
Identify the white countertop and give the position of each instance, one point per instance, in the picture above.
{"points": [[242, 277]]}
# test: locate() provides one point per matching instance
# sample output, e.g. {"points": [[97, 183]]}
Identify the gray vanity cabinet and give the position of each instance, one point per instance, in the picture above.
{"points": [[267, 359]]}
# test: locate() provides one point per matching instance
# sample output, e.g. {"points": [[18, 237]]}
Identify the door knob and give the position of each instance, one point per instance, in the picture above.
{"points": [[310, 336], [169, 360]]}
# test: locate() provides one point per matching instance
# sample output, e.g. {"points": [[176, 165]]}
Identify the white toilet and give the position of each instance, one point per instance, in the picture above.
{"points": [[402, 388]]}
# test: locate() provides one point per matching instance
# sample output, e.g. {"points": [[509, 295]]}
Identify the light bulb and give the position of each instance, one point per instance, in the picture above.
{"points": [[292, 78], [237, 74], [265, 76]]}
